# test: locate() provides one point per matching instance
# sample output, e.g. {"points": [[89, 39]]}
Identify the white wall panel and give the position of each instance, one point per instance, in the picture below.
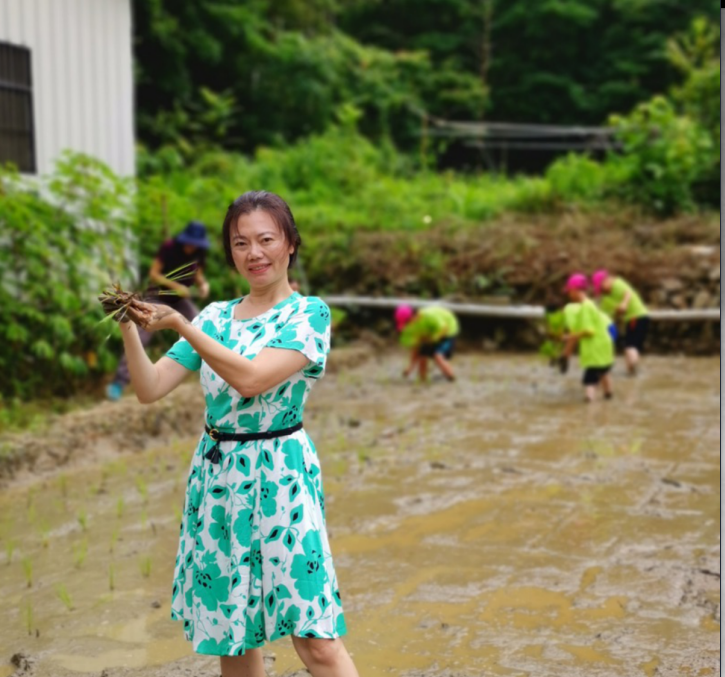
{"points": [[82, 76]]}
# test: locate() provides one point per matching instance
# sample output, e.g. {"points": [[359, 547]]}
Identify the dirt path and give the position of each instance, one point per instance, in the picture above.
{"points": [[496, 526]]}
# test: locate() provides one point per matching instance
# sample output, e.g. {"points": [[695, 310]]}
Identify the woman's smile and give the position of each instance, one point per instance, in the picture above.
{"points": [[259, 268]]}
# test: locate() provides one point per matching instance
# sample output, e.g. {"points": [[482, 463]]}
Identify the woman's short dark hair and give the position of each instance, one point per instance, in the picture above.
{"points": [[265, 201]]}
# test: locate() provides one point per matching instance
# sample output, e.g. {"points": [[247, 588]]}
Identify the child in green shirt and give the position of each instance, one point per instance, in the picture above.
{"points": [[588, 328], [620, 301], [429, 333]]}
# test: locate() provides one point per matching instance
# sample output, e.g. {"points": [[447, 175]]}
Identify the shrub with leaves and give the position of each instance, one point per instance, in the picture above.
{"points": [[61, 240], [664, 156]]}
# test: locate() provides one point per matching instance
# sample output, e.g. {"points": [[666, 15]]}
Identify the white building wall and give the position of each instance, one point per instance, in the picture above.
{"points": [[81, 57]]}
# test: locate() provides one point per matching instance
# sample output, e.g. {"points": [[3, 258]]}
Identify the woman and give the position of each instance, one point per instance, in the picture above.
{"points": [[254, 561]]}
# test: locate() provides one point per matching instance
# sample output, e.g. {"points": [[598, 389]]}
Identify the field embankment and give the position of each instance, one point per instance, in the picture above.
{"points": [[673, 263]]}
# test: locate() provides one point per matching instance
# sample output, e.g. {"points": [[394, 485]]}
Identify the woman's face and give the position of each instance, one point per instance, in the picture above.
{"points": [[259, 249]]}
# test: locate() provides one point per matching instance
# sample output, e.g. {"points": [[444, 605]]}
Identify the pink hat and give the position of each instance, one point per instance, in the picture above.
{"points": [[597, 279], [576, 281], [403, 315]]}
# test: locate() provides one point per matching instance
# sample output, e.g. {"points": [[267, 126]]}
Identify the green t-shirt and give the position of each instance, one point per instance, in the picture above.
{"points": [[571, 310], [430, 325], [596, 349], [610, 301]]}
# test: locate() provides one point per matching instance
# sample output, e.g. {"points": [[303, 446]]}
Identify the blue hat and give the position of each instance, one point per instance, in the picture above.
{"points": [[194, 234]]}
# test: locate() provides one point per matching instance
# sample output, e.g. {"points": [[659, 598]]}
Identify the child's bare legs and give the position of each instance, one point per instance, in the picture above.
{"points": [[606, 384], [325, 657], [445, 366], [590, 393], [422, 368], [631, 357], [251, 664]]}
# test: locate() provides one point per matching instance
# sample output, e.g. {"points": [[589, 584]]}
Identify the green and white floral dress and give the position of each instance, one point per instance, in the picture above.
{"points": [[254, 561]]}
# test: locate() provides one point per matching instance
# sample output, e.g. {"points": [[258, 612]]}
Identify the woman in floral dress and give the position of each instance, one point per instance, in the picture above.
{"points": [[254, 561]]}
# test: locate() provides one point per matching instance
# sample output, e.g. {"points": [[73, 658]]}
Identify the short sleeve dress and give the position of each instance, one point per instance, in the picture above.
{"points": [[254, 561]]}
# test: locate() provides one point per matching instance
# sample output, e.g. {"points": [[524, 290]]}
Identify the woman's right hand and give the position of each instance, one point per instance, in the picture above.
{"points": [[153, 317]]}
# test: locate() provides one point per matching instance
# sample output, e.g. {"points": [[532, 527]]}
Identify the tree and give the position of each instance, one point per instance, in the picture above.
{"points": [[283, 69], [555, 61]]}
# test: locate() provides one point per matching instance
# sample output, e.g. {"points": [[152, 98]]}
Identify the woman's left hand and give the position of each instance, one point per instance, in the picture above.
{"points": [[154, 317]]}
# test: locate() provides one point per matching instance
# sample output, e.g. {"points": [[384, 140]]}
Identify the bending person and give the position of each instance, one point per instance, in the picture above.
{"points": [[186, 251], [429, 333], [621, 302]]}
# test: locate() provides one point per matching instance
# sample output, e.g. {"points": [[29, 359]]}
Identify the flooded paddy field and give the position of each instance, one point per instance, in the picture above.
{"points": [[494, 526]]}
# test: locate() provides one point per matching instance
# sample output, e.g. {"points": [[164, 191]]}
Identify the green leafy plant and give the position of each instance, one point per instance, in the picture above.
{"points": [[64, 596], [114, 539], [27, 563], [82, 518], [80, 552], [62, 240], [45, 534], [662, 156]]}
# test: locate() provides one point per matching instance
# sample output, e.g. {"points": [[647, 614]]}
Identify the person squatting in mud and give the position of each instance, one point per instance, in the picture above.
{"points": [[254, 560]]}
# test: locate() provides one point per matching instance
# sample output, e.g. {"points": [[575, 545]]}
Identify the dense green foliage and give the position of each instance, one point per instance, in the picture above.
{"points": [[557, 61], [73, 236], [664, 156], [68, 241], [318, 102], [281, 69], [61, 242], [338, 184], [671, 158]]}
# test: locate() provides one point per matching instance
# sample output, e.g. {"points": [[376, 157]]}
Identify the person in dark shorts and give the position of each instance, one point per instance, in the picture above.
{"points": [[621, 302], [588, 328], [430, 334], [186, 251]]}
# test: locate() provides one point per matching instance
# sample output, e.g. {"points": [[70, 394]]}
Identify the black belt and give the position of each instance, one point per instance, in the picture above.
{"points": [[215, 455]]}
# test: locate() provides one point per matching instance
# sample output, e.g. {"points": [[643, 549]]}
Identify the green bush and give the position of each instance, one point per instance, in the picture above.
{"points": [[697, 56], [69, 236], [61, 241], [664, 155], [577, 177]]}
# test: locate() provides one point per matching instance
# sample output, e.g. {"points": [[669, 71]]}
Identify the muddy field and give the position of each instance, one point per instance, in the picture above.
{"points": [[495, 526]]}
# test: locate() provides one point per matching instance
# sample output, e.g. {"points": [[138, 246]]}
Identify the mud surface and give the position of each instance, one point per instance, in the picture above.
{"points": [[495, 526], [110, 429]]}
